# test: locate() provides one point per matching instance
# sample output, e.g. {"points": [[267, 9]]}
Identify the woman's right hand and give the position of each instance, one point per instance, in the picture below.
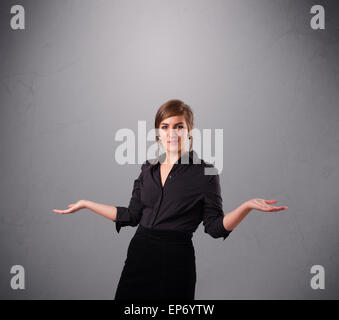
{"points": [[73, 207]]}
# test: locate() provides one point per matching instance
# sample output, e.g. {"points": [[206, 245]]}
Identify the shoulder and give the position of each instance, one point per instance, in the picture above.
{"points": [[209, 170], [206, 175], [145, 165], [148, 164], [211, 180]]}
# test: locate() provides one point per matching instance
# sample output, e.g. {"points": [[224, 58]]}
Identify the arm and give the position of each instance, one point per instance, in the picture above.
{"points": [[122, 216], [107, 211], [219, 225], [233, 218], [131, 215], [213, 215]]}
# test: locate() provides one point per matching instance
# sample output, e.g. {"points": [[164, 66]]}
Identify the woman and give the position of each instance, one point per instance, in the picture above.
{"points": [[170, 198]]}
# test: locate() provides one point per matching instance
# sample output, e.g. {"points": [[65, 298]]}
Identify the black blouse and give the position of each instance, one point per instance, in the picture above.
{"points": [[189, 197]]}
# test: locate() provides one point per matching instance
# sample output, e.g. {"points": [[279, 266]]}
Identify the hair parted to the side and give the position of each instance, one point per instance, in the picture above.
{"points": [[171, 108]]}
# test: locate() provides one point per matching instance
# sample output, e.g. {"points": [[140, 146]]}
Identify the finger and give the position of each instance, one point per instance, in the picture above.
{"points": [[264, 208], [260, 202], [62, 211], [271, 201], [270, 208], [282, 208], [58, 211], [263, 204], [278, 208]]}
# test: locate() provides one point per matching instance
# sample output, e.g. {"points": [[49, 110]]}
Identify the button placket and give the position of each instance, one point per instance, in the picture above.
{"points": [[169, 177], [155, 214]]}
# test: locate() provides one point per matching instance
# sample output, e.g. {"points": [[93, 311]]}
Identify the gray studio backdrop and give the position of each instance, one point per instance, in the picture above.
{"points": [[81, 70]]}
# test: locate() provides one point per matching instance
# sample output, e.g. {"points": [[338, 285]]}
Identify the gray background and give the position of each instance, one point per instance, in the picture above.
{"points": [[84, 69]]}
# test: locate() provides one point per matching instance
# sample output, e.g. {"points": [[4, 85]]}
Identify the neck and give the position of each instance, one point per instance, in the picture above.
{"points": [[172, 157]]}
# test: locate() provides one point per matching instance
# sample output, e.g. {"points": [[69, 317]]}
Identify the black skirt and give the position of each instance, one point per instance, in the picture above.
{"points": [[160, 265]]}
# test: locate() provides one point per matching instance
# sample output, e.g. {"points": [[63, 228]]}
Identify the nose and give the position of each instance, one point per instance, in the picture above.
{"points": [[172, 134]]}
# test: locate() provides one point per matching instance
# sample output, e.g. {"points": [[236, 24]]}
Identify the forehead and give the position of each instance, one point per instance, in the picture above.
{"points": [[174, 119]]}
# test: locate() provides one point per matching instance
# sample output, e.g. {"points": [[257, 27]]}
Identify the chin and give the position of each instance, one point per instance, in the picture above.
{"points": [[174, 148]]}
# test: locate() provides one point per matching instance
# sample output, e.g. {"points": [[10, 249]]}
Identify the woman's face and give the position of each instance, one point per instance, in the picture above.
{"points": [[173, 132]]}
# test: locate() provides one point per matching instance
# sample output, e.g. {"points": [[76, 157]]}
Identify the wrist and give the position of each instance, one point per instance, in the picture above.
{"points": [[245, 207], [84, 204]]}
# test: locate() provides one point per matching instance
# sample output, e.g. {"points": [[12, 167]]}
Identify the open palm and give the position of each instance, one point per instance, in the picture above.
{"points": [[73, 207], [264, 205]]}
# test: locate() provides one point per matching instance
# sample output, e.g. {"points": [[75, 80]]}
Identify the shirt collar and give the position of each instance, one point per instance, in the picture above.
{"points": [[186, 158]]}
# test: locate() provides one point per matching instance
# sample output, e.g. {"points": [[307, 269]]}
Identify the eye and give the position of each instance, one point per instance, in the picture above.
{"points": [[180, 127], [163, 127]]}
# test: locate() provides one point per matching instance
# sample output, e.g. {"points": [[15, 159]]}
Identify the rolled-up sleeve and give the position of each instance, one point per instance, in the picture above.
{"points": [[213, 214], [131, 215]]}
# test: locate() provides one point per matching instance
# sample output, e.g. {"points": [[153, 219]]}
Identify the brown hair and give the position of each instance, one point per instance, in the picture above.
{"points": [[173, 108]]}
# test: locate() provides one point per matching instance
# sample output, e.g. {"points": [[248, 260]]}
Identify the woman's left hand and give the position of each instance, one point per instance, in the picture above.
{"points": [[264, 205]]}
